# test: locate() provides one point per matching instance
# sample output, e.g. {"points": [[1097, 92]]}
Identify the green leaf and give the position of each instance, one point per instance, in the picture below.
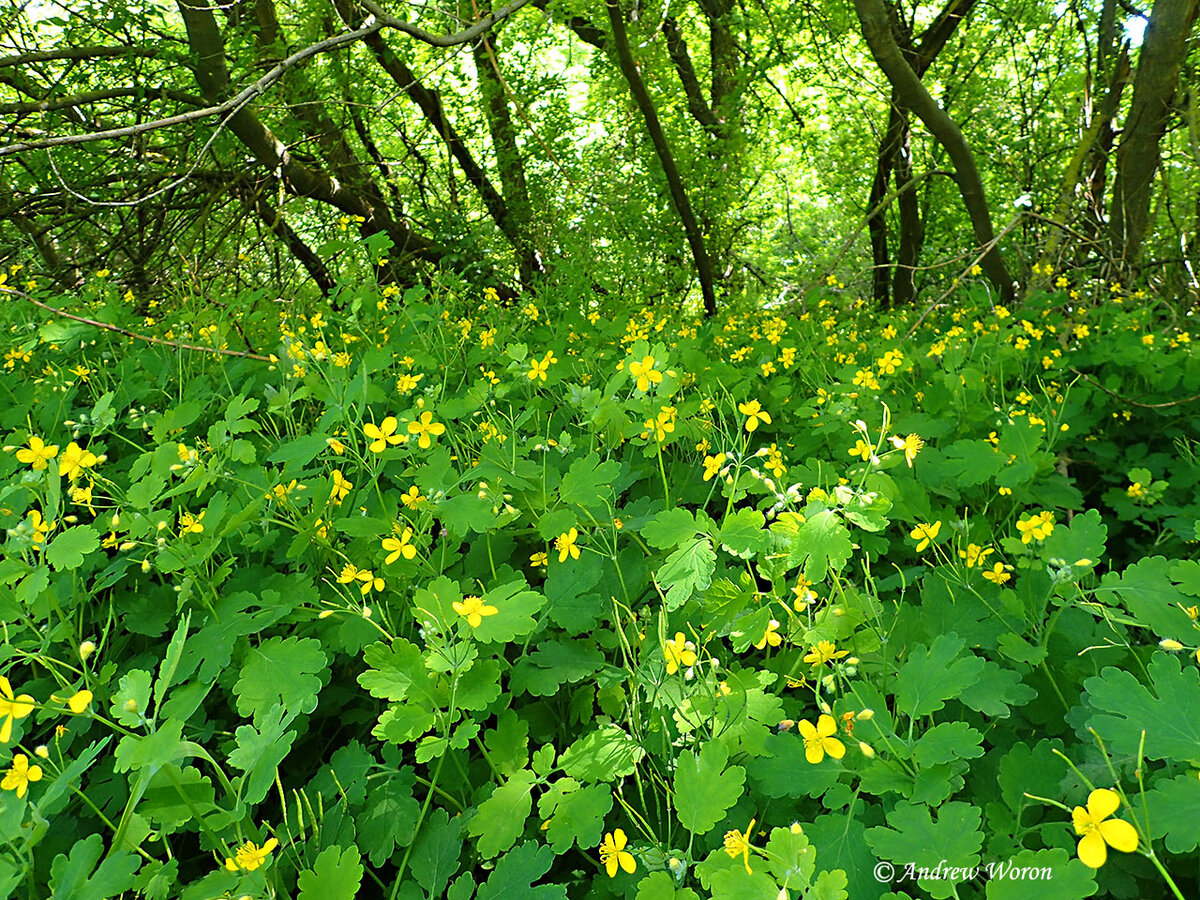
{"points": [[152, 751], [553, 664], [605, 754], [670, 528], [1055, 873], [77, 877], [704, 789], [260, 749], [820, 544], [398, 673], [914, 837], [515, 608], [660, 886], [971, 462], [508, 743], [1123, 708], [435, 854], [829, 886], [514, 875], [575, 814], [588, 483], [686, 571], [1150, 596], [281, 671], [996, 691], [1083, 539], [1173, 804], [68, 549], [389, 820], [790, 855], [933, 675], [131, 702], [335, 875], [950, 740], [297, 453], [500, 818], [742, 533]]}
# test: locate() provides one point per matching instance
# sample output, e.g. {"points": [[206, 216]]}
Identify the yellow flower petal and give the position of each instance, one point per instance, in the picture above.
{"points": [[1102, 803], [1092, 850], [1119, 835]]}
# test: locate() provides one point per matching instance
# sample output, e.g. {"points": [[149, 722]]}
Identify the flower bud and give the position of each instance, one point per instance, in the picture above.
{"points": [[866, 749], [1168, 644], [86, 649], [131, 705], [41, 750], [865, 715]]}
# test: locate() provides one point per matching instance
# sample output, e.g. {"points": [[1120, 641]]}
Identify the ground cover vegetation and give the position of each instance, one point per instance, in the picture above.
{"points": [[577, 449], [601, 605]]}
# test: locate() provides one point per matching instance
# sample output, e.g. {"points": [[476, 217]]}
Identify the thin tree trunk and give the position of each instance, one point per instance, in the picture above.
{"points": [[1163, 49], [674, 183], [912, 93]]}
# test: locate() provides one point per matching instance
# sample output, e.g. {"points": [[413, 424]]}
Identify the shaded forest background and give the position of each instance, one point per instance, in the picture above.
{"points": [[677, 152]]}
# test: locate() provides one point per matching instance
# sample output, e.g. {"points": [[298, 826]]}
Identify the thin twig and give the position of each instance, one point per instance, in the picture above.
{"points": [[131, 334], [983, 251], [1117, 396]]}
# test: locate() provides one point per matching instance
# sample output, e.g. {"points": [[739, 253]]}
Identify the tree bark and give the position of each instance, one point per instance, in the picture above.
{"points": [[897, 140], [674, 183], [509, 162], [877, 31], [1163, 49], [208, 52]]}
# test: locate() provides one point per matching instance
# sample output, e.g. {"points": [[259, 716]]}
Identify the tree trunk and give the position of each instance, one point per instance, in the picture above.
{"points": [[912, 93], [674, 183], [1163, 49]]}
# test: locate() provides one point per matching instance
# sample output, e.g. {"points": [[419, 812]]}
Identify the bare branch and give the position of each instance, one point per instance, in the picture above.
{"points": [[75, 53], [35, 106], [378, 21]]}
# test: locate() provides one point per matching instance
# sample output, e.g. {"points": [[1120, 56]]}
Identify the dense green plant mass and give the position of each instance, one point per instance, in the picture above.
{"points": [[448, 599]]}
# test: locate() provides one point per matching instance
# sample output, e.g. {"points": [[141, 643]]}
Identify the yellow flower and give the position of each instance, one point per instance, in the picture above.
{"points": [[250, 856], [399, 546], [823, 652], [712, 465], [1037, 527], [998, 573], [341, 487], [412, 497], [539, 560], [473, 609], [819, 740], [862, 449], [770, 636], [74, 460], [382, 435], [754, 414], [975, 555], [21, 775], [676, 653], [12, 708], [537, 370], [923, 534], [1099, 834], [348, 574], [565, 545], [613, 854], [737, 844], [911, 445], [38, 454], [336, 446], [41, 528], [189, 524], [644, 373], [407, 382], [425, 426], [370, 581], [79, 701]]}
